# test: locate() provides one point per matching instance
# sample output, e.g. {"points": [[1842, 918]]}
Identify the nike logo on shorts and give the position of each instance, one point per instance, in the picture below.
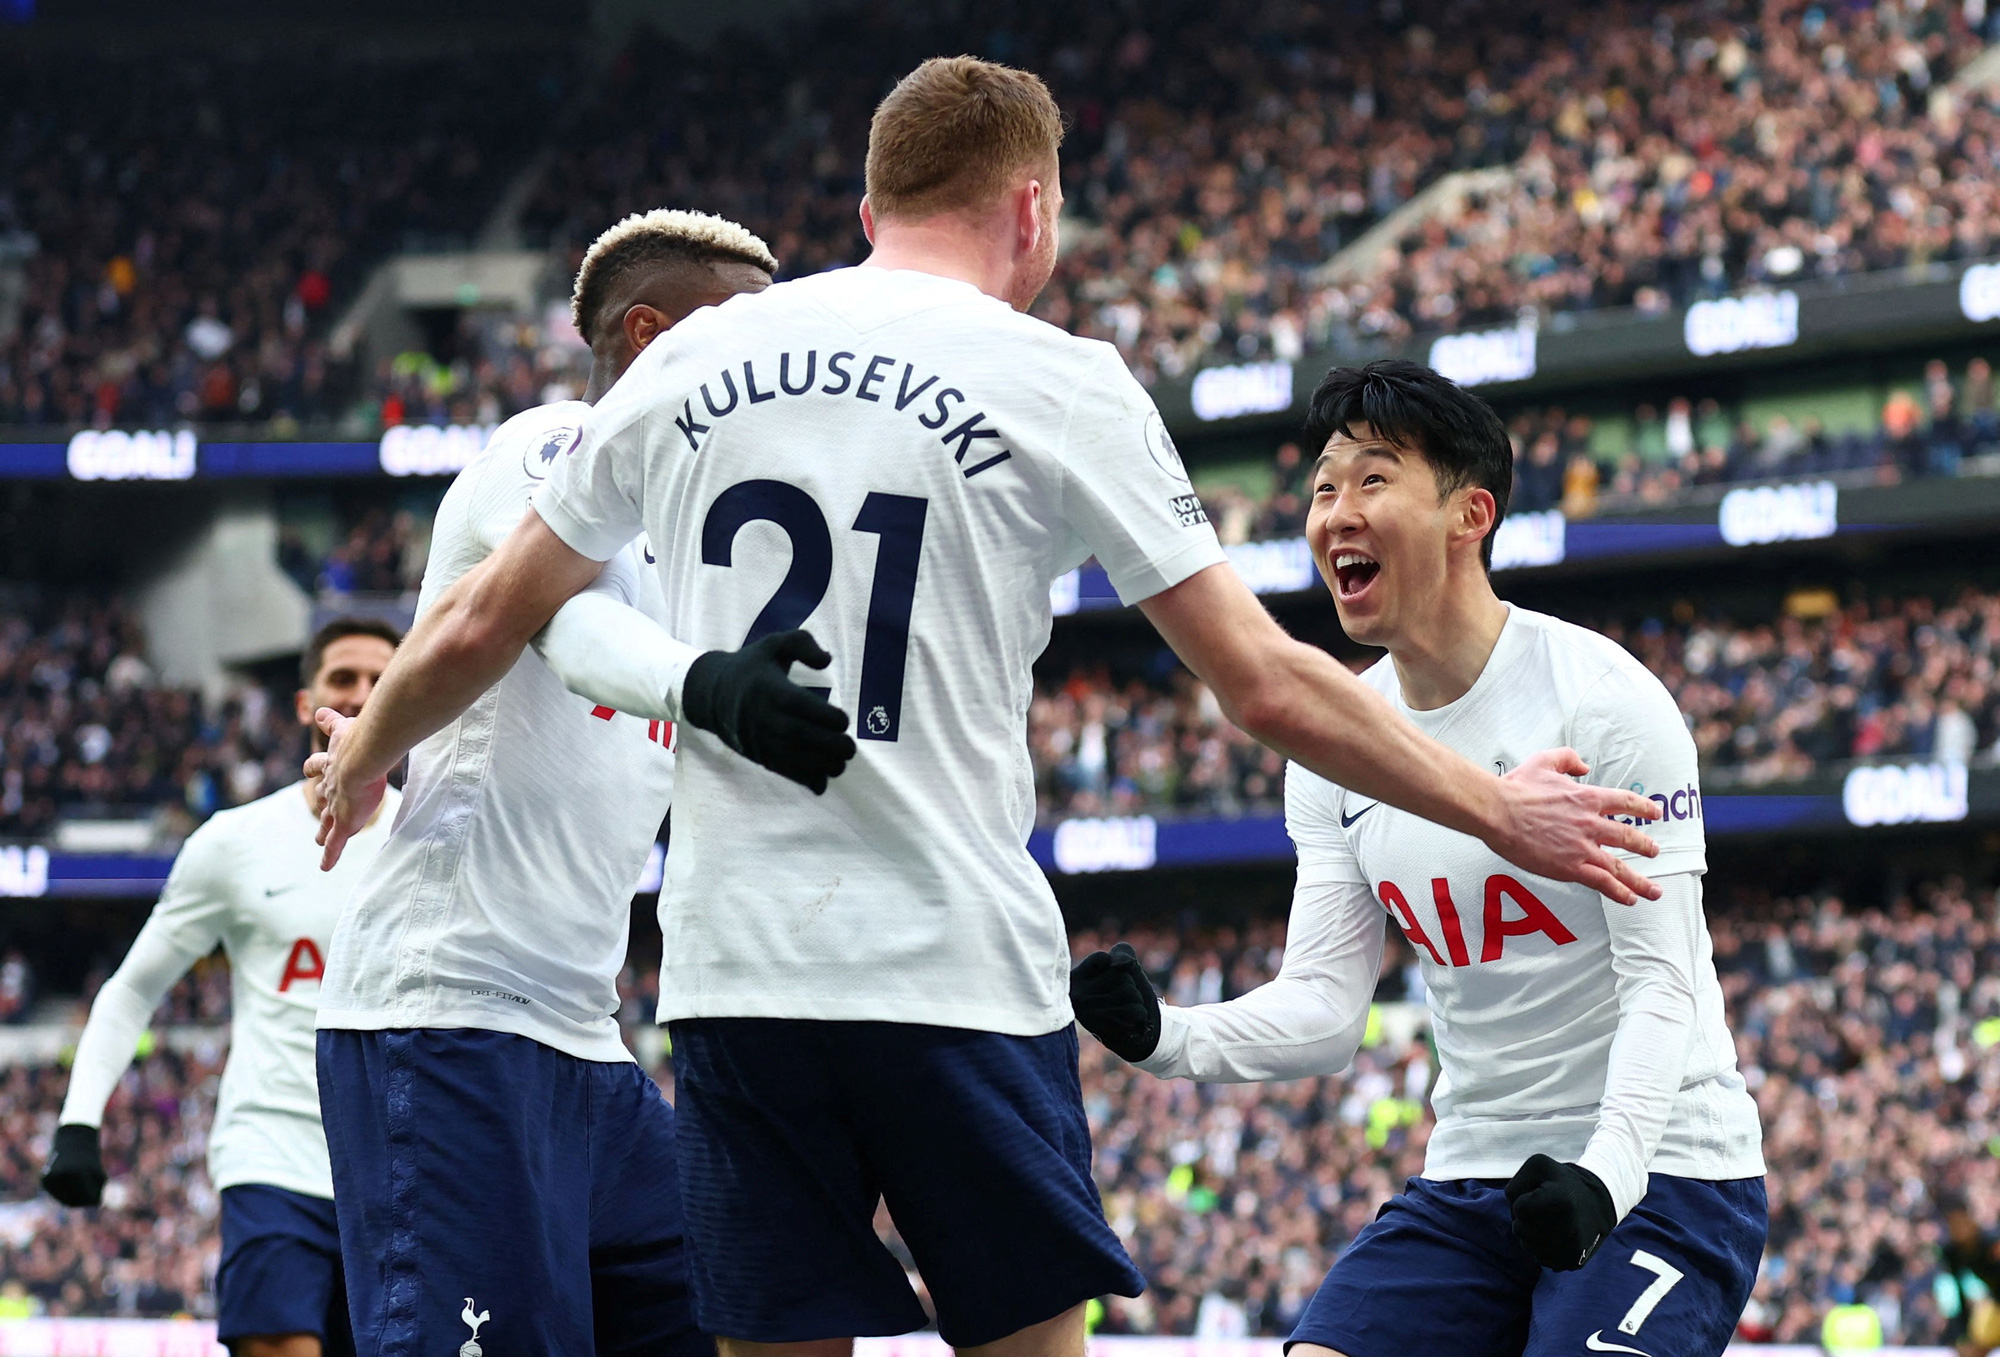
{"points": [[1346, 819], [1596, 1343]]}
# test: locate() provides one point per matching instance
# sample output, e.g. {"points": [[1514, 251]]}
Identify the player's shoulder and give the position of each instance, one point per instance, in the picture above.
{"points": [[237, 829], [1591, 674], [531, 441]]}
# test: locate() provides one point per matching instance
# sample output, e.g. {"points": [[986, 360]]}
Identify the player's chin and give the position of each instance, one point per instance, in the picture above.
{"points": [[1362, 619]]}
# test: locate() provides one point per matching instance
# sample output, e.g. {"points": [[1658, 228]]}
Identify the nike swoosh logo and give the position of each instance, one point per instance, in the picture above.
{"points": [[270, 891], [1346, 819], [1597, 1344], [647, 552]]}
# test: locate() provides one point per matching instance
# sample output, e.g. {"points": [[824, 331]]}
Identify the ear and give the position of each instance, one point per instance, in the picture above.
{"points": [[1477, 513], [642, 325], [1028, 216], [867, 219], [302, 703]]}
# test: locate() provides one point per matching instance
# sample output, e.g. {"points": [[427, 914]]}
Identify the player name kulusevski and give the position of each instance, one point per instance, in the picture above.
{"points": [[858, 377]]}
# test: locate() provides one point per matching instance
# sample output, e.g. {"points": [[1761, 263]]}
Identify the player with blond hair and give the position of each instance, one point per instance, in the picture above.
{"points": [[503, 1169], [867, 992]]}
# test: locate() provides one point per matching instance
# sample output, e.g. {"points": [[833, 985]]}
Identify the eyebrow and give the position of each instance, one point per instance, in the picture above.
{"points": [[1374, 448]]}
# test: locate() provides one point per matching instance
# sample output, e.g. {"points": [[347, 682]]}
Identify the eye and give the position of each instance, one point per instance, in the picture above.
{"points": [[1373, 478], [1324, 488]]}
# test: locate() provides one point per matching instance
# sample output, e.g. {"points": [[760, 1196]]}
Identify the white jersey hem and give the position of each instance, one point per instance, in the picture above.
{"points": [[1006, 1022], [253, 1176], [601, 1050]]}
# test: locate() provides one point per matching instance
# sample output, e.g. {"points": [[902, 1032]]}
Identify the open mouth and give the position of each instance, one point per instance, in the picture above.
{"points": [[1353, 573]]}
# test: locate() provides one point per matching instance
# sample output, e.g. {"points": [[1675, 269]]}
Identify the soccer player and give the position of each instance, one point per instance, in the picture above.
{"points": [[1595, 1179], [867, 991], [246, 879], [503, 1168]]}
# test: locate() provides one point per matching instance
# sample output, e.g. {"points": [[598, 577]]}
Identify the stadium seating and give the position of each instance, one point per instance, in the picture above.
{"points": [[192, 240], [1869, 1035], [1767, 702]]}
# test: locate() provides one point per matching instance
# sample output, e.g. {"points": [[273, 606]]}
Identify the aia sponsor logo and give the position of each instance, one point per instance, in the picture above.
{"points": [[1510, 910], [304, 962]]}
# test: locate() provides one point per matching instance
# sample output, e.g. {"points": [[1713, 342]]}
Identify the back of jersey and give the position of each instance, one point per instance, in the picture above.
{"points": [[902, 465]]}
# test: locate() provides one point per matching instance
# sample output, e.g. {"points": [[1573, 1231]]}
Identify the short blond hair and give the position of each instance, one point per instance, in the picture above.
{"points": [[955, 132], [662, 236]]}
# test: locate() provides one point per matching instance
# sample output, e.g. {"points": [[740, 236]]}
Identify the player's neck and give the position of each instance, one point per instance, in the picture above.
{"points": [[1440, 658], [943, 247]]}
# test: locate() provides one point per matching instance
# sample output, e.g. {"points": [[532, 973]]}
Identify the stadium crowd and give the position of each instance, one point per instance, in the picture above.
{"points": [[1869, 1036], [1767, 702], [184, 248], [85, 724], [186, 252]]}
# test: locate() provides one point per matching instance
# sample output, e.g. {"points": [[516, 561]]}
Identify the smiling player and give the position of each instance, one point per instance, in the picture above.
{"points": [[248, 880], [1594, 1183]]}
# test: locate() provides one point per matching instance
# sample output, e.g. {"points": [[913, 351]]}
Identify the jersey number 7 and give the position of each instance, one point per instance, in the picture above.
{"points": [[897, 519]]}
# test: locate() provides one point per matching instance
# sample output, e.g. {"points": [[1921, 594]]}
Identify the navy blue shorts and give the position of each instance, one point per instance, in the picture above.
{"points": [[280, 1269], [792, 1131], [496, 1191], [1439, 1270]]}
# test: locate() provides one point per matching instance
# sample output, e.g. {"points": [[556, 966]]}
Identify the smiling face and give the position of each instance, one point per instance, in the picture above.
{"points": [[1383, 537]]}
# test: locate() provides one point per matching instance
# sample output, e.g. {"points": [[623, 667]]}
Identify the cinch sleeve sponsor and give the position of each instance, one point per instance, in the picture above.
{"points": [[1629, 731]]}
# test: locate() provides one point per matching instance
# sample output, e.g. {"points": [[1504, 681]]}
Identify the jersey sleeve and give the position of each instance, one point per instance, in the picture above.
{"points": [[1125, 495], [603, 647], [506, 478], [1629, 731], [184, 926], [592, 497], [1312, 818], [1656, 953], [1309, 1019]]}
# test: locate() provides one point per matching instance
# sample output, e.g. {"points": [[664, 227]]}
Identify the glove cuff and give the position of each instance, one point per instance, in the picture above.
{"points": [[699, 690], [74, 1136], [1600, 1192]]}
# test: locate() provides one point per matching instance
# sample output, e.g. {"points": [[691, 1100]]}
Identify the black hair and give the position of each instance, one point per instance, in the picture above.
{"points": [[1411, 406], [338, 628]]}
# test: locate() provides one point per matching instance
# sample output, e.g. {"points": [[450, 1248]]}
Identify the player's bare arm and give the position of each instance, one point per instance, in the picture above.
{"points": [[1306, 705]]}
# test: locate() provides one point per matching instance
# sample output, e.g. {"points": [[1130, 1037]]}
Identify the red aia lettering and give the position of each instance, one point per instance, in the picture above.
{"points": [[1393, 901], [1536, 917], [604, 713], [304, 963], [1454, 935]]}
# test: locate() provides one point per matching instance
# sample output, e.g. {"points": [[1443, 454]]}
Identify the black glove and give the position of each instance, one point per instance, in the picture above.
{"points": [[75, 1175], [1114, 1000], [745, 697], [1562, 1212]]}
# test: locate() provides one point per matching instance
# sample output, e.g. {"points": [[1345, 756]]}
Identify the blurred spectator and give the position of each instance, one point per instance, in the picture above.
{"points": [[84, 725]]}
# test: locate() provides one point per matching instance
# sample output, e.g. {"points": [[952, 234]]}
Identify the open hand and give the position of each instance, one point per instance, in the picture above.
{"points": [[345, 804], [1557, 827]]}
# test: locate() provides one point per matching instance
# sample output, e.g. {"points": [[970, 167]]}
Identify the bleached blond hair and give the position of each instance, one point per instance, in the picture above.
{"points": [[664, 235]]}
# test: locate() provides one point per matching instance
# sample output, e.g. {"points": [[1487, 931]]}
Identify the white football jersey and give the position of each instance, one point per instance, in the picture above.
{"points": [[250, 880], [1519, 969], [902, 465], [502, 900]]}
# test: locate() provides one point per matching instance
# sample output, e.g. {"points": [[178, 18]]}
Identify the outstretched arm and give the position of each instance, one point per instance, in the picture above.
{"points": [[182, 928], [1308, 1019], [1301, 702], [607, 650]]}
